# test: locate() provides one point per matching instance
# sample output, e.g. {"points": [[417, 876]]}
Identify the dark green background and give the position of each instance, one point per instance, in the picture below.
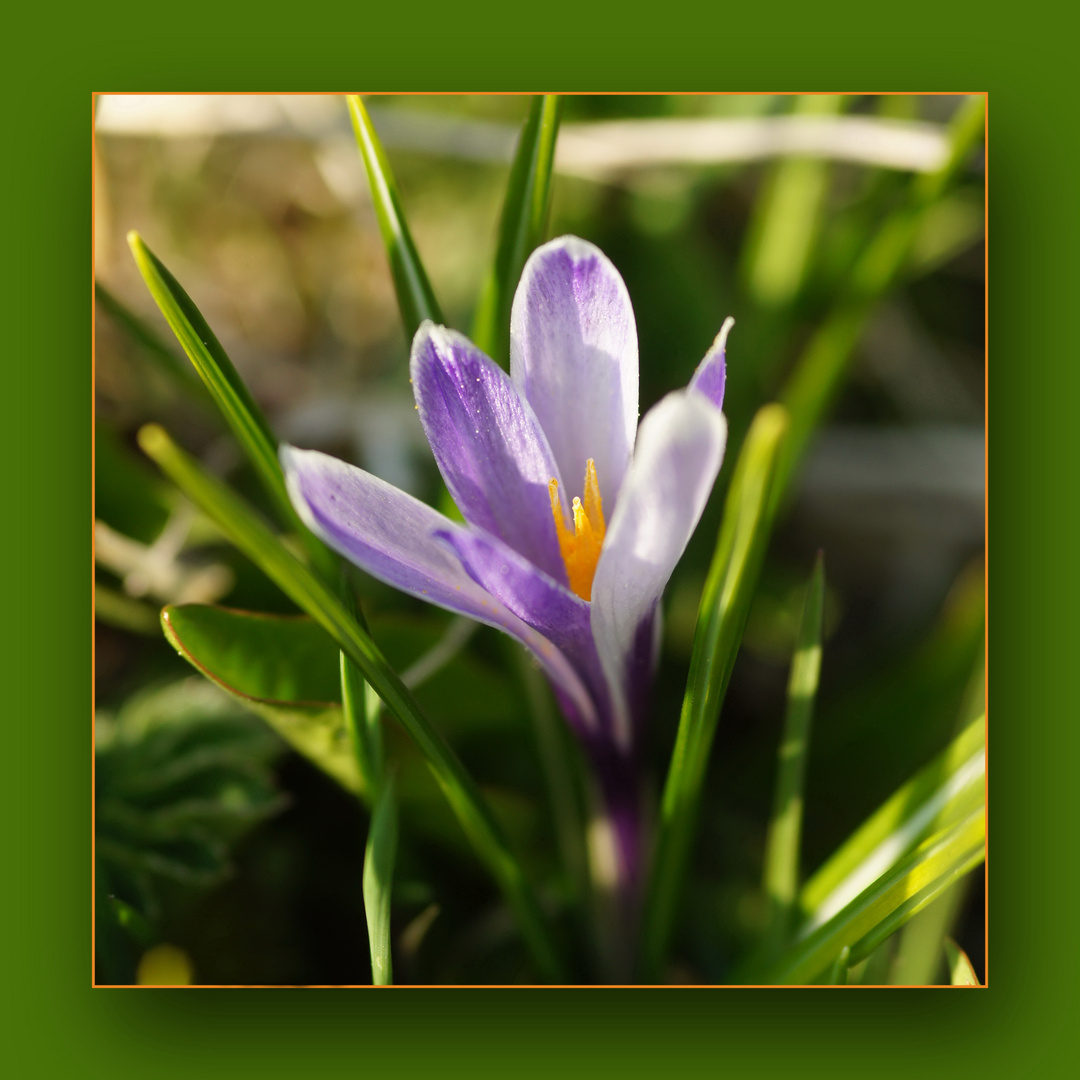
{"points": [[58, 1024]]}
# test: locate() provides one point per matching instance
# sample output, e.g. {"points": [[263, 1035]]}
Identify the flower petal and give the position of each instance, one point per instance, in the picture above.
{"points": [[487, 442], [539, 600], [391, 535], [574, 356], [711, 373], [679, 450]]}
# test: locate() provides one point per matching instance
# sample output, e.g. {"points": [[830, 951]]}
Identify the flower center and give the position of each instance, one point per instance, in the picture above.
{"points": [[580, 548]]}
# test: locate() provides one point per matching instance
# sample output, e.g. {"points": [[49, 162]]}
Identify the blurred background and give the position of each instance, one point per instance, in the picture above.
{"points": [[245, 859]]}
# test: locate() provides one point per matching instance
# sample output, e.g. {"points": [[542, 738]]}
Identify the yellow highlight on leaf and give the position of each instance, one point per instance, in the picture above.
{"points": [[580, 548]]}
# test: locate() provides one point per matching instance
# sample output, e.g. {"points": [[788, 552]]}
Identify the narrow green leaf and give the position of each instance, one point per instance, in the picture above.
{"points": [[961, 972], [378, 880], [788, 216], [781, 879], [164, 357], [881, 909], [817, 375], [415, 297], [252, 536], [231, 396], [521, 228], [919, 956], [360, 707], [838, 973], [938, 795], [725, 604], [283, 668], [214, 368]]}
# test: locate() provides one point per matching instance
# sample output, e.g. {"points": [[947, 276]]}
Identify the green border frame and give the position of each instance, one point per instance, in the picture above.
{"points": [[58, 1020]]}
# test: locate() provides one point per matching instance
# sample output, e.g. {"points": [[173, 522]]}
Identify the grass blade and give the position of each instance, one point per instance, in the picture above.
{"points": [[919, 951], [231, 396], [360, 706], [243, 526], [880, 910], [781, 879], [818, 373], [838, 973], [788, 217], [961, 973], [725, 604], [946, 789], [181, 375], [521, 228], [415, 297], [378, 879]]}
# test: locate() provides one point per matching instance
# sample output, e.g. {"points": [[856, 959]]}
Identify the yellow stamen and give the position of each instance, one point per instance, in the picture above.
{"points": [[580, 549]]}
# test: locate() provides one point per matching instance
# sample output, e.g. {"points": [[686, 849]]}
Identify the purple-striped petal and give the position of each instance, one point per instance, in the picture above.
{"points": [[711, 373], [679, 450], [488, 444], [392, 536], [539, 600], [574, 357]]}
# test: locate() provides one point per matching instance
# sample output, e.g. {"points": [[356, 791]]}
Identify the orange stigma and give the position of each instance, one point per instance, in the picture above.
{"points": [[581, 548]]}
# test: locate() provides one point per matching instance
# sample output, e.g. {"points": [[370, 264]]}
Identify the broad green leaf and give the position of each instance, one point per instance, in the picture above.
{"points": [[378, 881], [521, 228], [272, 658], [939, 794], [415, 297], [781, 879], [961, 973], [817, 375], [889, 902], [253, 537], [725, 604], [283, 668], [231, 396]]}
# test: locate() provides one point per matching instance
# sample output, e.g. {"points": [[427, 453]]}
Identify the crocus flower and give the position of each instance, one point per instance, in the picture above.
{"points": [[574, 515]]}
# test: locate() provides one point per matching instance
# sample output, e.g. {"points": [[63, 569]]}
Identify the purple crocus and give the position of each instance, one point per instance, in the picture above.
{"points": [[574, 515]]}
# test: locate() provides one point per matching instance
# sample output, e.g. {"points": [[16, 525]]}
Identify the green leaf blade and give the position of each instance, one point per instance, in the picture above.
{"points": [[886, 905], [251, 535], [961, 971], [228, 390], [941, 793], [282, 668], [781, 875], [818, 374], [415, 296], [725, 605], [379, 858], [212, 364], [521, 227]]}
